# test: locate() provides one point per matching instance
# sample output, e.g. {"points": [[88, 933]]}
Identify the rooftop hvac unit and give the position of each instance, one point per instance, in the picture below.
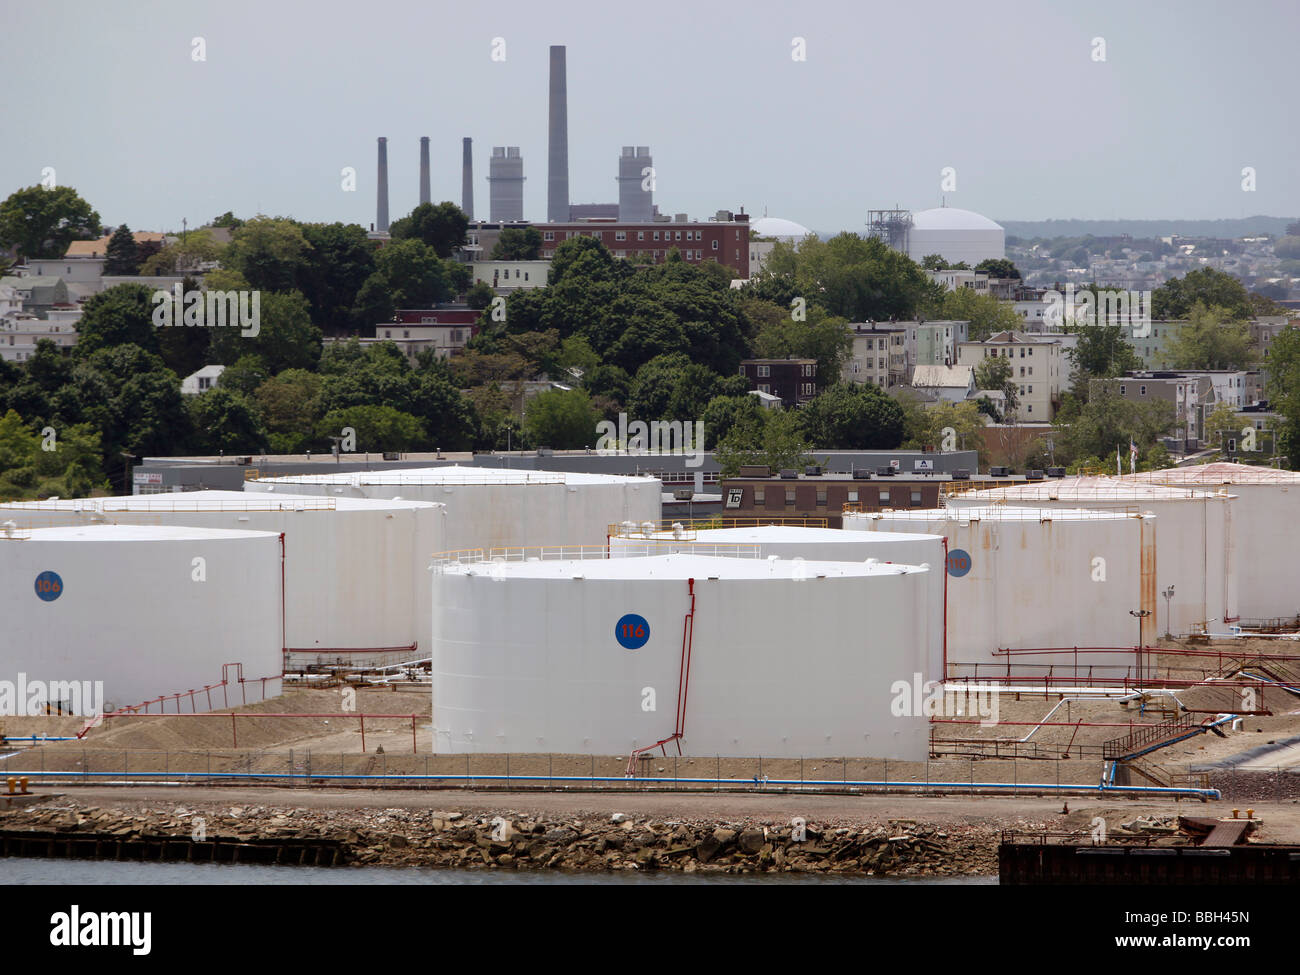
{"points": [[756, 471], [389, 456], [1033, 475], [812, 471], [683, 494], [244, 460], [1056, 472], [861, 474], [961, 474], [789, 475], [999, 471], [545, 452], [884, 472]]}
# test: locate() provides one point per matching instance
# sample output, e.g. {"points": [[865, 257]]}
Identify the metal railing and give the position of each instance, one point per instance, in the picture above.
{"points": [[688, 527]]}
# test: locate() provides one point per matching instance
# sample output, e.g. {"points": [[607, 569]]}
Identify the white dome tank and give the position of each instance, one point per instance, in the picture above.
{"points": [[958, 235], [356, 570], [797, 541], [1196, 552], [1269, 503], [1021, 578], [489, 507], [147, 610], [787, 658]]}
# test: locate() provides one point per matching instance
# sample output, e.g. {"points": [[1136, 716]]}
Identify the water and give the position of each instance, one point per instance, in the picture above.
{"points": [[23, 870]]}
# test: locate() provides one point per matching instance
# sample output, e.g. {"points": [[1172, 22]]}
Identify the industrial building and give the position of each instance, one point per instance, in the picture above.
{"points": [[149, 610], [506, 185], [1021, 578], [1196, 551], [786, 541], [355, 569], [1268, 505], [710, 655], [496, 508]]}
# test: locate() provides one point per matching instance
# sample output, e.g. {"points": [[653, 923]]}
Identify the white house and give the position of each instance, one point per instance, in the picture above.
{"points": [[201, 381]]}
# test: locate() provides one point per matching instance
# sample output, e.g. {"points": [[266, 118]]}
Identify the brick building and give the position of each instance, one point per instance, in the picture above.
{"points": [[793, 380]]}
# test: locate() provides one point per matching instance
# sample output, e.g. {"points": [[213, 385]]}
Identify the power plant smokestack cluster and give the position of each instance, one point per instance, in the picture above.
{"points": [[506, 171], [506, 184], [557, 159], [636, 185]]}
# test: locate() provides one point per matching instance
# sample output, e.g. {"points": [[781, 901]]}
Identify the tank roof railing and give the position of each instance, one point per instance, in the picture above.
{"points": [[560, 553], [686, 529]]}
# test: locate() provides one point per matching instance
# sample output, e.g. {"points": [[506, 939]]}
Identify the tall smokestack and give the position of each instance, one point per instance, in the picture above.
{"points": [[467, 177], [381, 203], [424, 169], [557, 173]]}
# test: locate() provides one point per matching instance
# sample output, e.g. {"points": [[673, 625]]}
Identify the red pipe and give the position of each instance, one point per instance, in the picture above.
{"points": [[683, 687]]}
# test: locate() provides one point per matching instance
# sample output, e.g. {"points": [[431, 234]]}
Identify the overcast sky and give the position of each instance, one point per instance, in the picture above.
{"points": [[1008, 94]]}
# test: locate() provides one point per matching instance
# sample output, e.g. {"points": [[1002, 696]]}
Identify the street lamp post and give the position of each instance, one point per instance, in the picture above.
{"points": [[1169, 595]]}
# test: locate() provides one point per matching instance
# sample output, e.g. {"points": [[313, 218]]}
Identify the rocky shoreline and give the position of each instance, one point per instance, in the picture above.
{"points": [[519, 841]]}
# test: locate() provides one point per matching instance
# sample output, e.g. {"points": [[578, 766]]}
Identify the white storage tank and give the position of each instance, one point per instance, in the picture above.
{"points": [[1025, 579], [356, 570], [490, 507], [787, 658], [1196, 551], [798, 541], [147, 610], [1268, 506], [957, 235]]}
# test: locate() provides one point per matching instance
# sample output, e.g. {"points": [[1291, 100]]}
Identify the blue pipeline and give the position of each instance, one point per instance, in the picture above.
{"points": [[188, 777]]}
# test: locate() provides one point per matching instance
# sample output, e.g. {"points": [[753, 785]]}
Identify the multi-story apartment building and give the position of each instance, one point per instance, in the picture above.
{"points": [[869, 357], [1038, 367], [1191, 395], [794, 380]]}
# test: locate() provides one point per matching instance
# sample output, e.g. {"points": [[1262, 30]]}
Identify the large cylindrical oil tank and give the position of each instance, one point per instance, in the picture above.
{"points": [[147, 610], [498, 508], [1025, 579], [1196, 551], [787, 657], [356, 569], [1268, 587], [798, 541]]}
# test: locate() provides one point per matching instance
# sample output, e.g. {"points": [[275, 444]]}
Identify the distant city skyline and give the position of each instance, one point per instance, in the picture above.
{"points": [[1006, 101]]}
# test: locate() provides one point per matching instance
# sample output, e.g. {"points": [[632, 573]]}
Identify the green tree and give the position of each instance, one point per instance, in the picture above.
{"points": [[1284, 392], [285, 337], [742, 414], [998, 267], [987, 315], [852, 416], [195, 248], [224, 420], [442, 227], [41, 223], [378, 428], [997, 373], [228, 220], [1107, 422], [290, 408], [559, 418], [1101, 353], [823, 337], [270, 252], [120, 257], [517, 244], [1176, 298], [1212, 339], [1287, 248], [926, 424], [934, 262], [122, 315], [415, 275], [480, 296], [340, 261], [779, 445]]}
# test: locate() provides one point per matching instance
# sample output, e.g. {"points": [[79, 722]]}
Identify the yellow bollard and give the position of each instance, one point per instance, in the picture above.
{"points": [[1250, 814], [22, 785], [11, 785], [1234, 814]]}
